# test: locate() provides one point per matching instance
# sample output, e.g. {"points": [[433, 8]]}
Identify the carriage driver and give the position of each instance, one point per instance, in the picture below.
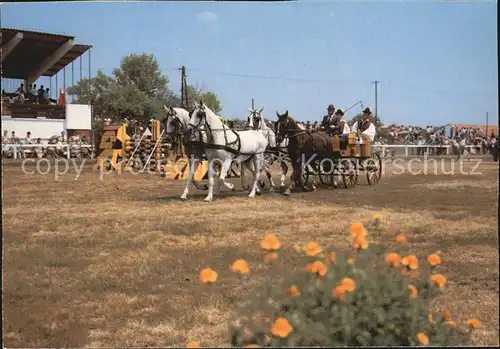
{"points": [[329, 119]]}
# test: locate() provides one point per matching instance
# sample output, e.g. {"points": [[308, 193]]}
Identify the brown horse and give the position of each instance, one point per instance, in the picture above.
{"points": [[302, 145]]}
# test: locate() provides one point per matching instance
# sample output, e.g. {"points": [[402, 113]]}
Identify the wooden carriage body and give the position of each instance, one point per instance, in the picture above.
{"points": [[353, 147]]}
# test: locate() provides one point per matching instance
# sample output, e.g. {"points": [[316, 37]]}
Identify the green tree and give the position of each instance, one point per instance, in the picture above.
{"points": [[136, 90], [99, 90]]}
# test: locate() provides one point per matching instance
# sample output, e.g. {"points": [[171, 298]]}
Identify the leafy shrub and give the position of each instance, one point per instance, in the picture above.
{"points": [[373, 296]]}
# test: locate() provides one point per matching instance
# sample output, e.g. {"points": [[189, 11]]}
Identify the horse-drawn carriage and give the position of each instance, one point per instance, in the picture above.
{"points": [[347, 158]]}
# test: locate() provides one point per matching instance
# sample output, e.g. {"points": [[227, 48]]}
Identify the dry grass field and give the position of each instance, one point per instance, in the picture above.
{"points": [[91, 263]]}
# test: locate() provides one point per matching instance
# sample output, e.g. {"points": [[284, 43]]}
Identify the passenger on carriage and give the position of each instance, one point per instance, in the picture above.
{"points": [[365, 126]]}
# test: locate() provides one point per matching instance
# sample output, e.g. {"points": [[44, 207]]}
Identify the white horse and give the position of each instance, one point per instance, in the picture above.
{"points": [[176, 123], [257, 122], [225, 145]]}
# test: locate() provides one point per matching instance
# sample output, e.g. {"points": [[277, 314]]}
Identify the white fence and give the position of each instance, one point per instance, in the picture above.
{"points": [[16, 148], [426, 148]]}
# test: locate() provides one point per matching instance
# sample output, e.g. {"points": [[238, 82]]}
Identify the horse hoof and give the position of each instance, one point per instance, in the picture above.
{"points": [[258, 192], [271, 189], [251, 195], [287, 192], [183, 197], [208, 200]]}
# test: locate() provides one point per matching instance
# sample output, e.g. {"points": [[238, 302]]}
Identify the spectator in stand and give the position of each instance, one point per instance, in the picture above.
{"points": [[40, 93], [28, 138], [28, 92], [20, 92], [34, 93]]}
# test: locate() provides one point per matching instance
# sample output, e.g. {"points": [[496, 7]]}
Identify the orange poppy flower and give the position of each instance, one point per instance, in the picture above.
{"points": [[240, 266], [312, 249], [293, 291], [339, 292], [281, 328], [413, 291], [317, 267], [400, 239], [208, 275], [474, 323], [446, 315], [193, 344], [360, 242], [358, 229], [270, 243], [349, 284], [393, 259], [331, 257], [410, 261], [434, 259], [439, 280], [451, 323], [269, 257], [422, 338]]}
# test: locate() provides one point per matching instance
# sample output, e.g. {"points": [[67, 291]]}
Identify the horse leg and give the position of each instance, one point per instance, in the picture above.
{"points": [[284, 170], [288, 190], [270, 177], [226, 165], [298, 174], [257, 162], [210, 195], [192, 169], [242, 171]]}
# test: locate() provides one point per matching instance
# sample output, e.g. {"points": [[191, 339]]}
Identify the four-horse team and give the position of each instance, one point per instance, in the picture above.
{"points": [[335, 151]]}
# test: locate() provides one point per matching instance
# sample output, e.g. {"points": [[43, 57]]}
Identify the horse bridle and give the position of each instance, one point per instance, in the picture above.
{"points": [[202, 115]]}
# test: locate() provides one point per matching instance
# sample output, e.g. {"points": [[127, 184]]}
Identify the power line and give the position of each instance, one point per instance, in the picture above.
{"points": [[255, 76]]}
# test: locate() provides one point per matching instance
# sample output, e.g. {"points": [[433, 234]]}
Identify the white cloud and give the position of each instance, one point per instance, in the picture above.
{"points": [[207, 17]]}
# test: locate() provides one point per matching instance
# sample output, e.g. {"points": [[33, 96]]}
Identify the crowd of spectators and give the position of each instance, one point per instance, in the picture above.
{"points": [[31, 94], [55, 146]]}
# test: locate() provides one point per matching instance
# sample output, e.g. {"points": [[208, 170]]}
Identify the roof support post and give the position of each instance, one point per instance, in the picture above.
{"points": [[51, 60], [9, 45]]}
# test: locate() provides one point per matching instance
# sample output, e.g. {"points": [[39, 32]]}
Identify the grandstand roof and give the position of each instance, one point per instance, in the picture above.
{"points": [[35, 48]]}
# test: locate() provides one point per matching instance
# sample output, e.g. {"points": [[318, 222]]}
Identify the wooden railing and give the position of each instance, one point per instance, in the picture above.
{"points": [[31, 110]]}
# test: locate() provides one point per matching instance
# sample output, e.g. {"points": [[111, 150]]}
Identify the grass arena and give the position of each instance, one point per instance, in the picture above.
{"points": [[114, 259]]}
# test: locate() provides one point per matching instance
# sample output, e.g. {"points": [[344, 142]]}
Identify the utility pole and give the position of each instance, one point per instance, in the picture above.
{"points": [[184, 96], [487, 116], [376, 82], [253, 104]]}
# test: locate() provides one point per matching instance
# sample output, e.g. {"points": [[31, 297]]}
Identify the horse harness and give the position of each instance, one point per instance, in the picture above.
{"points": [[228, 146]]}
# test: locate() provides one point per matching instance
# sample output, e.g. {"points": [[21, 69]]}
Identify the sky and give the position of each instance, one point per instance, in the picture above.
{"points": [[436, 61]]}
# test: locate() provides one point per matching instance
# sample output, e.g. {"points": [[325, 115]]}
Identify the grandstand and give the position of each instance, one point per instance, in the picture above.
{"points": [[27, 56]]}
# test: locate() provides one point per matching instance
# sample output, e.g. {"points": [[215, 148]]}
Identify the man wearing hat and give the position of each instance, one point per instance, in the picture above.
{"points": [[365, 125], [329, 118]]}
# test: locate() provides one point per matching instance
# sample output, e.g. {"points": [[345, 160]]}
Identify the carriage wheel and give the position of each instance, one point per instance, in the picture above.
{"points": [[326, 173], [349, 173], [373, 169]]}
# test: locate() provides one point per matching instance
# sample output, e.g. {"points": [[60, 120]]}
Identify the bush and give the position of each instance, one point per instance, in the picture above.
{"points": [[373, 296]]}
